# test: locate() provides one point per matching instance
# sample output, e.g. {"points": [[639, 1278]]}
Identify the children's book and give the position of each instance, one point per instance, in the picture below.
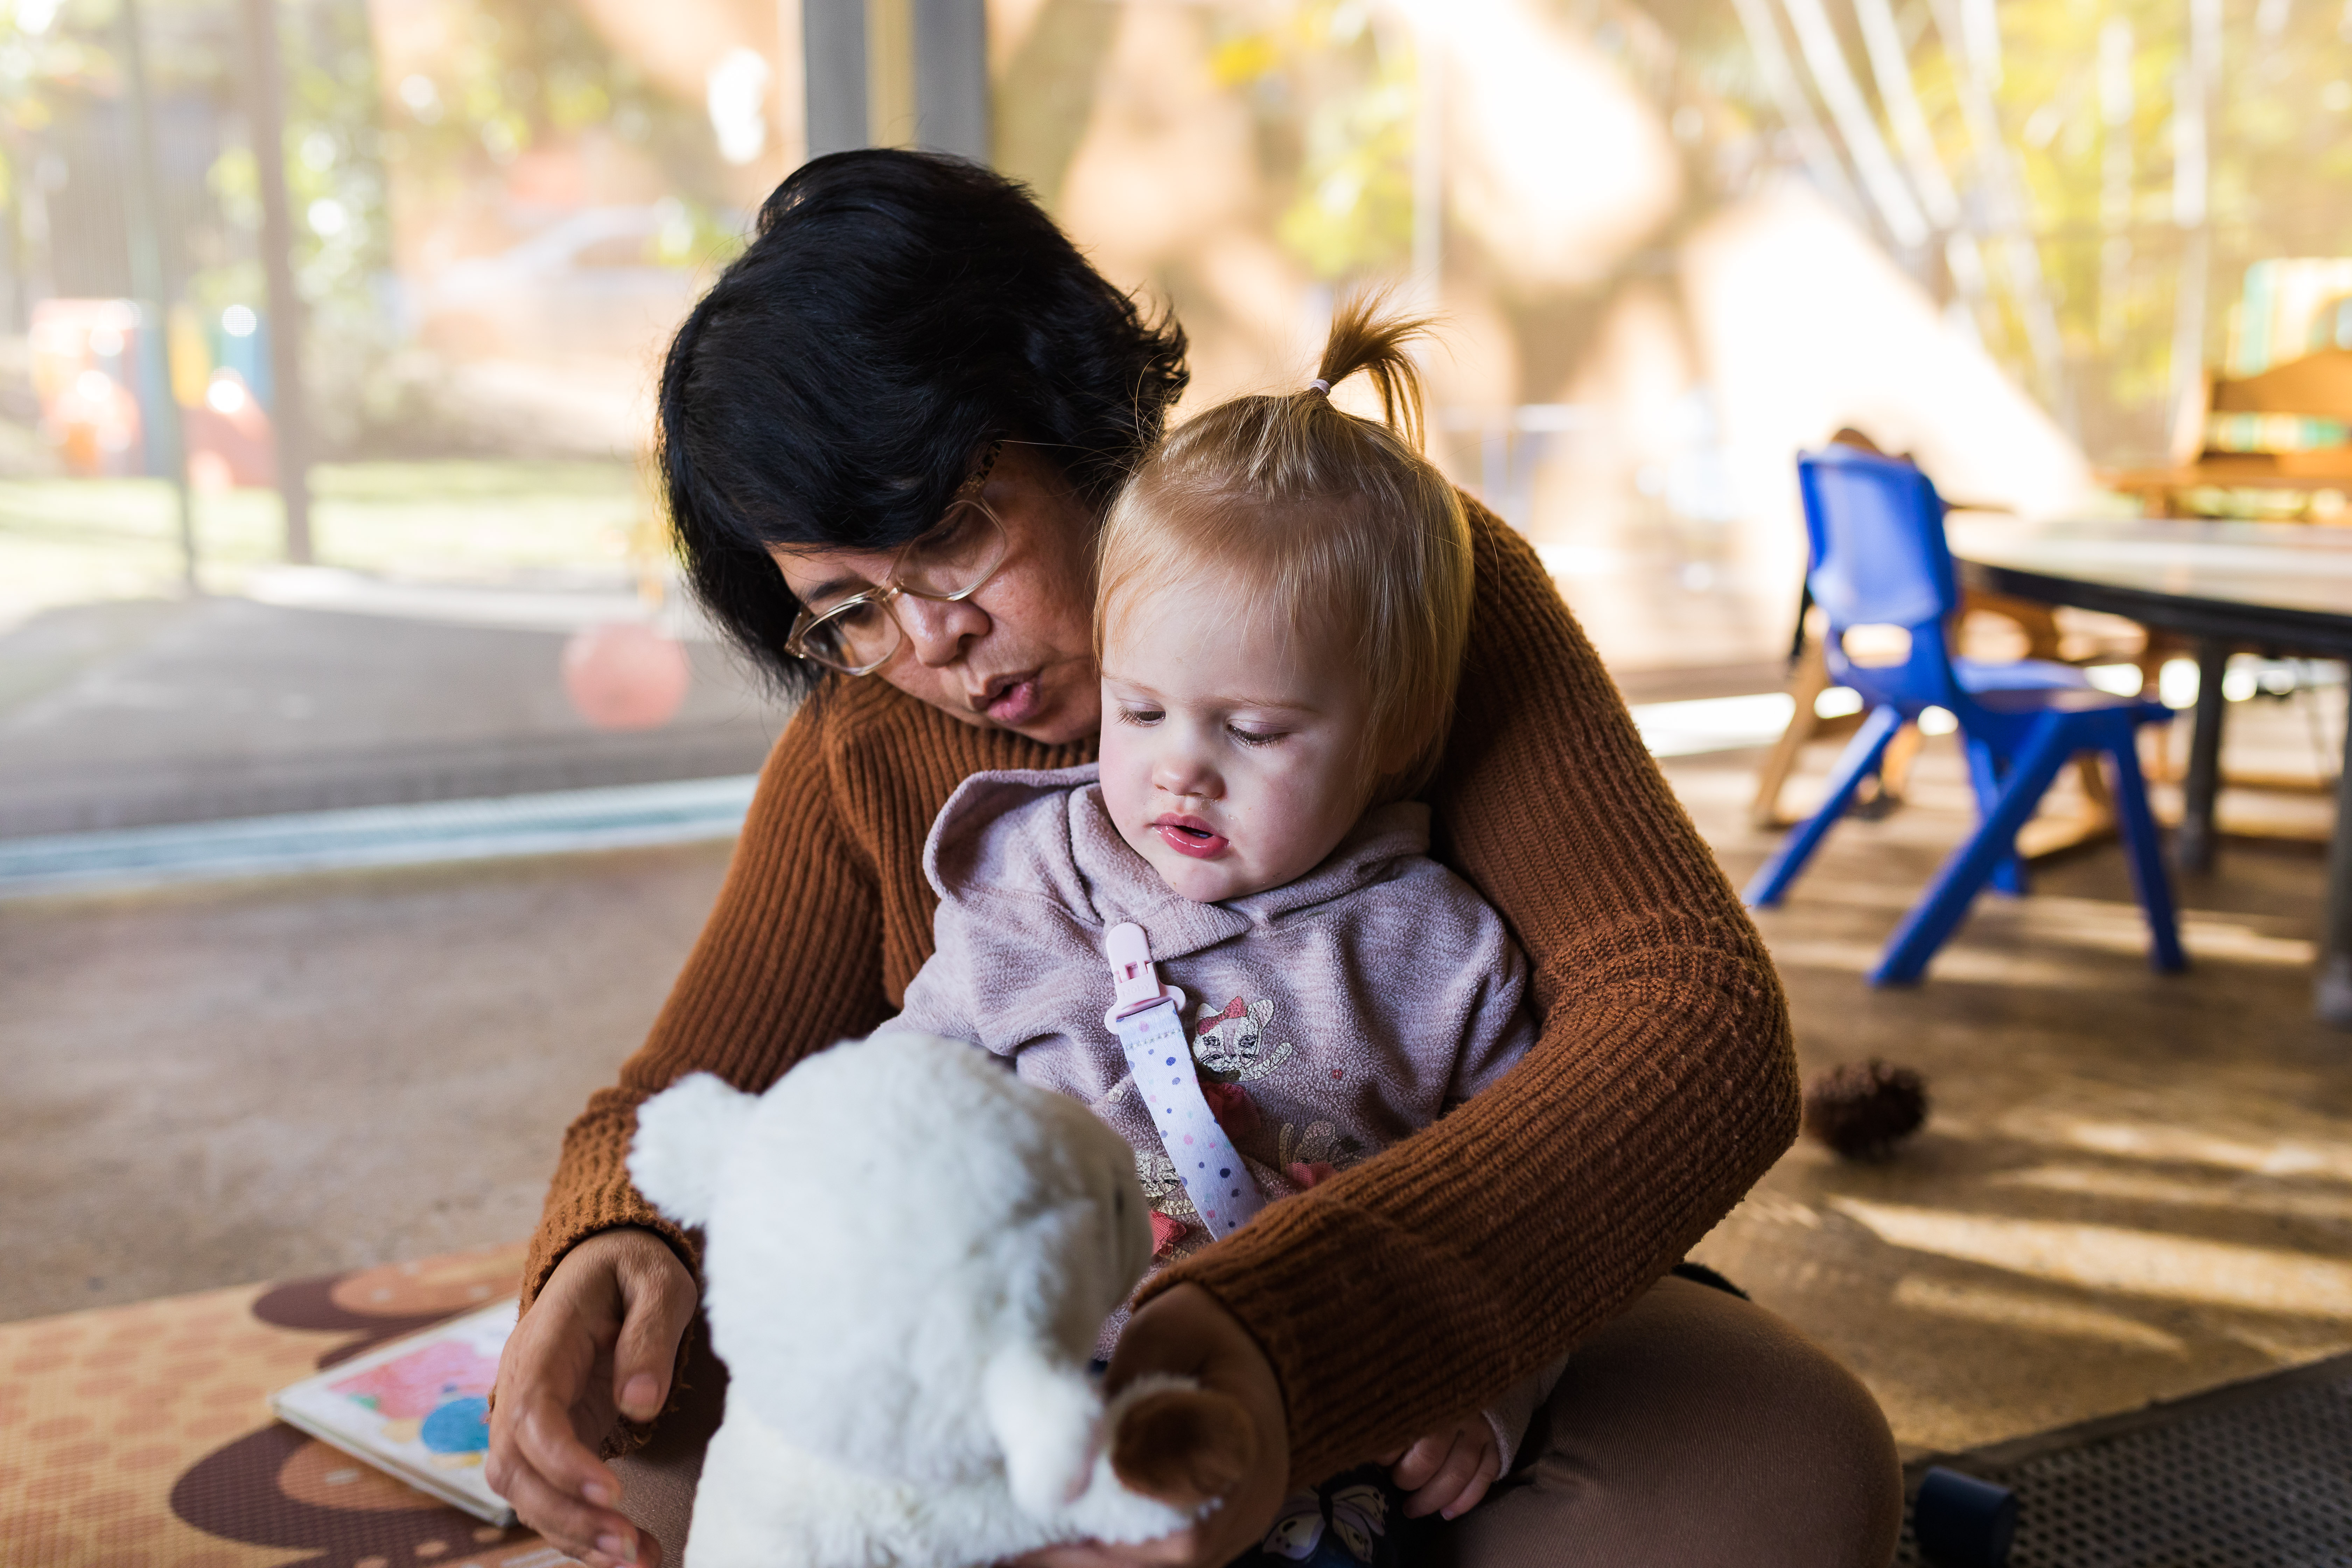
{"points": [[418, 1408]]}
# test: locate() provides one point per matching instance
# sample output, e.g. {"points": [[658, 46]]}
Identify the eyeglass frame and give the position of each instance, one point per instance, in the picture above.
{"points": [[889, 591]]}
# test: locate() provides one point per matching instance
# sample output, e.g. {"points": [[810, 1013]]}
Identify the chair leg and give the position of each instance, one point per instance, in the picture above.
{"points": [[1984, 772], [1806, 683], [1894, 768], [1932, 920], [2146, 852], [1854, 764]]}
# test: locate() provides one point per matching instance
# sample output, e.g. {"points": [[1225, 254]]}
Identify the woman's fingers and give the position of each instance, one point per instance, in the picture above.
{"points": [[534, 1422], [1078, 1554], [570, 1525], [556, 1486], [1165, 1552], [549, 1448], [554, 1401], [657, 1298]]}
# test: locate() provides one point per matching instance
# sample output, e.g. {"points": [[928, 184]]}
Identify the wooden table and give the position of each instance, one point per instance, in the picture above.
{"points": [[2282, 589]]}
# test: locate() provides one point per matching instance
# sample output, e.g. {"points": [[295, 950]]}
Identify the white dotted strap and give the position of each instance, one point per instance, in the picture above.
{"points": [[1148, 1020]]}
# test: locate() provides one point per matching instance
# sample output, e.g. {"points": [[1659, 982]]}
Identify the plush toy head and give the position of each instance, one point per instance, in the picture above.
{"points": [[908, 1255]]}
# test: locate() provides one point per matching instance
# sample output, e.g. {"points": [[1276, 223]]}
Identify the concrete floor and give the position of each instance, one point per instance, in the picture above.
{"points": [[213, 1086], [2132, 1185]]}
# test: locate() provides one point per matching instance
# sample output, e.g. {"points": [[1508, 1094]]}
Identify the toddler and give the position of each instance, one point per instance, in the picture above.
{"points": [[1284, 596]]}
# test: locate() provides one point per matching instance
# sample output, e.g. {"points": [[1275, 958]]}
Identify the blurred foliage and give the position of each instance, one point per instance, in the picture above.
{"points": [[2097, 167], [2279, 160], [335, 188], [1043, 93], [523, 74], [59, 64], [1334, 92]]}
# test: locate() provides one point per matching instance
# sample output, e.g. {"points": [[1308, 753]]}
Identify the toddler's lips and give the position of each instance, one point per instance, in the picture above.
{"points": [[1190, 836]]}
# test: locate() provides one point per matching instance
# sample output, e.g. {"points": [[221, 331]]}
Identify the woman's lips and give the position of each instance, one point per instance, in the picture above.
{"points": [[1018, 702], [1190, 836]]}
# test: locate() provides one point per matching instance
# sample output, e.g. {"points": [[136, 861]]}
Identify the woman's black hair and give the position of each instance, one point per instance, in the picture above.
{"points": [[895, 313]]}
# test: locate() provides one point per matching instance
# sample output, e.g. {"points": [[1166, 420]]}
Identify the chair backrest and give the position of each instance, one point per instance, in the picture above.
{"points": [[1876, 529]]}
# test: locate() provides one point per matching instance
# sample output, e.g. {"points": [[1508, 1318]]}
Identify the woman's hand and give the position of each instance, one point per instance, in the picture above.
{"points": [[1449, 1470], [602, 1337], [1185, 1332]]}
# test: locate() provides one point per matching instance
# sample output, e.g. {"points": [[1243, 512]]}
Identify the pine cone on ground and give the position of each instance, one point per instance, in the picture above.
{"points": [[1862, 1110]]}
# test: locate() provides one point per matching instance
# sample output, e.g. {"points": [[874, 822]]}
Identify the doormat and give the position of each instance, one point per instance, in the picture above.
{"points": [[2254, 1475]]}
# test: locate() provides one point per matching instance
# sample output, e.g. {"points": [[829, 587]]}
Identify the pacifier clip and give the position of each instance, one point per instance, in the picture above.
{"points": [[1148, 1019]]}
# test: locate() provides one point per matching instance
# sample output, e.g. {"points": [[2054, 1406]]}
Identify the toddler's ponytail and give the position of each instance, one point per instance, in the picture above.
{"points": [[1290, 505], [1364, 342]]}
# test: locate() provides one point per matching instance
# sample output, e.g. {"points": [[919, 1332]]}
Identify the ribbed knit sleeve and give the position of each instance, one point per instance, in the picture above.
{"points": [[789, 961], [822, 919], [1422, 1283]]}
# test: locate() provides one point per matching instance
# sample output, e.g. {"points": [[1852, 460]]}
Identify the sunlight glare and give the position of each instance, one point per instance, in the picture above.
{"points": [[2183, 1145], [2010, 1309], [2093, 1181], [1566, 168], [2112, 1257]]}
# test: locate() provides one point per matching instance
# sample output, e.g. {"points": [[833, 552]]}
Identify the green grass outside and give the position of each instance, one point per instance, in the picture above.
{"points": [[76, 541]]}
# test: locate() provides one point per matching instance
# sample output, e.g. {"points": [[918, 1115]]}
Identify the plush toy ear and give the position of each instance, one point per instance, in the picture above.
{"points": [[1048, 1420], [684, 1135], [1179, 1443]]}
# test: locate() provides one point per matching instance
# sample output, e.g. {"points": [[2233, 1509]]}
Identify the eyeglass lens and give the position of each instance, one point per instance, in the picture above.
{"points": [[952, 560]]}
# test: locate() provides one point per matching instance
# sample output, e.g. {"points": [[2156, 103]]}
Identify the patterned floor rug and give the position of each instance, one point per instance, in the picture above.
{"points": [[140, 1436]]}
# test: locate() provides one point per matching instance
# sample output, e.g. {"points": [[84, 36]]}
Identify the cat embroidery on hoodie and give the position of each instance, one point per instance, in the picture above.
{"points": [[1231, 1045]]}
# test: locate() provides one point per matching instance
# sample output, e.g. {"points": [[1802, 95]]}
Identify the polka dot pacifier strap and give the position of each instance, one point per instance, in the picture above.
{"points": [[1148, 1019]]}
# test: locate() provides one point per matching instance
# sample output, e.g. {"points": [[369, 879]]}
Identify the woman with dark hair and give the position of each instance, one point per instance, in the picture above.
{"points": [[889, 434]]}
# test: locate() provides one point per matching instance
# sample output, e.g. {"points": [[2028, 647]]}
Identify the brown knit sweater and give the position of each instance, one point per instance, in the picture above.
{"points": [[1424, 1282]]}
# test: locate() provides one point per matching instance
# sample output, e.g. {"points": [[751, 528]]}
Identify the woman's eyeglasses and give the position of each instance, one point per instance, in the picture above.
{"points": [[856, 636]]}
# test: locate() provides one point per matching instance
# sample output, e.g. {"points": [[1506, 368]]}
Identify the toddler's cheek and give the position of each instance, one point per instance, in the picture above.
{"points": [[1123, 773]]}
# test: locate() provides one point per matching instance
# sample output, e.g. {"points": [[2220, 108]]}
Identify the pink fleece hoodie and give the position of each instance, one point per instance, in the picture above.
{"points": [[1330, 1016]]}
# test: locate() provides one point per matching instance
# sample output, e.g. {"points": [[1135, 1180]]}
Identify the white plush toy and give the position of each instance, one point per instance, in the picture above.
{"points": [[907, 1254]]}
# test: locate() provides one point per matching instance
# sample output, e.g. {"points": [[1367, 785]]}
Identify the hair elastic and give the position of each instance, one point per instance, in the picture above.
{"points": [[1320, 384]]}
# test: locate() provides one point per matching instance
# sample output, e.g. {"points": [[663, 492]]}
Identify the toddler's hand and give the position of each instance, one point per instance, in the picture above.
{"points": [[1449, 1470]]}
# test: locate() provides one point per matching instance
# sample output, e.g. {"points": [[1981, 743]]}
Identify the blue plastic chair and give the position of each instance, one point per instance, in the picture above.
{"points": [[1876, 528]]}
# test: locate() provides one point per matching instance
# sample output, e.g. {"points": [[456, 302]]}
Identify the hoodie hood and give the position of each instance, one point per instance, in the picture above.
{"points": [[1046, 835]]}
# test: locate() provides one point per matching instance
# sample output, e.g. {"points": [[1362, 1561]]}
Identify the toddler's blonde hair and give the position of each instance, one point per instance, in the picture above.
{"points": [[1335, 524]]}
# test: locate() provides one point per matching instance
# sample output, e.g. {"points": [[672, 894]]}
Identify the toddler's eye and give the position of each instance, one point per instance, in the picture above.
{"points": [[1254, 737], [1140, 717]]}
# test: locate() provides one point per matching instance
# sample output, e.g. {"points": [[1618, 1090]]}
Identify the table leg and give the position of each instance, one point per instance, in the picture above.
{"points": [[2334, 1002], [2192, 850]]}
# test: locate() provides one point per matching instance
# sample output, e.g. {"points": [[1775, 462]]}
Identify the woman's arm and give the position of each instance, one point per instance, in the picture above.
{"points": [[1662, 1085], [789, 961]]}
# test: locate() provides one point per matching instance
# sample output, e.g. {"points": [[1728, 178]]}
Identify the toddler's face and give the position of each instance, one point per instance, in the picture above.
{"points": [[1231, 752]]}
